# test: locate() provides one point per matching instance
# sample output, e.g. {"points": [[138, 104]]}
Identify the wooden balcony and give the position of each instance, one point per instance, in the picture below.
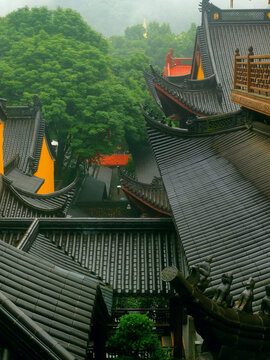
{"points": [[251, 85]]}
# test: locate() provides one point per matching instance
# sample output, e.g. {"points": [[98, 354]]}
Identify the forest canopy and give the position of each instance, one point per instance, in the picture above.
{"points": [[90, 87]]}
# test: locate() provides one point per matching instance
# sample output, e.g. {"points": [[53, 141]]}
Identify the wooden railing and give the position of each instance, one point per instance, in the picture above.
{"points": [[252, 73]]}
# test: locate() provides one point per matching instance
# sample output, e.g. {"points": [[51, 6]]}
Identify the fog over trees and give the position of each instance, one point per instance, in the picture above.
{"points": [[112, 17]]}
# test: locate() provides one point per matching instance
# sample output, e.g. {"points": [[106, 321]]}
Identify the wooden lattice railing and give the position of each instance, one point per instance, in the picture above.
{"points": [[252, 73]]}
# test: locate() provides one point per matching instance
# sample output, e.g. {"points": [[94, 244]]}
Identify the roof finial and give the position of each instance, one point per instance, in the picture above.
{"points": [[203, 5]]}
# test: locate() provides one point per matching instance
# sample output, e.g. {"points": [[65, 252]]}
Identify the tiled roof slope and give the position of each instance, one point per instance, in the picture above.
{"points": [[60, 302], [16, 202], [127, 254], [23, 181], [26, 124], [201, 97], [219, 191], [43, 248], [152, 194], [221, 32], [223, 36]]}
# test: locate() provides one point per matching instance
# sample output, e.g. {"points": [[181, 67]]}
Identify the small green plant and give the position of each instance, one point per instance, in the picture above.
{"points": [[134, 334]]}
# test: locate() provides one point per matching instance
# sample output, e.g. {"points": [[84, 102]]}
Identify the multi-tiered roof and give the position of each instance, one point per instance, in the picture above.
{"points": [[206, 91]]}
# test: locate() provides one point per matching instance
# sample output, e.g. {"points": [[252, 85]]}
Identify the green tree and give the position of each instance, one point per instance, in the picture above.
{"points": [[134, 334], [159, 39], [89, 101]]}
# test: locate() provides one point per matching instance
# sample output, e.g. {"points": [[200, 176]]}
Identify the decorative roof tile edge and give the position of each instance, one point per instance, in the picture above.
{"points": [[144, 202], [156, 185], [174, 92], [60, 192], [29, 236], [205, 126], [18, 194], [41, 338], [189, 84], [105, 223], [3, 112], [12, 164], [231, 16]]}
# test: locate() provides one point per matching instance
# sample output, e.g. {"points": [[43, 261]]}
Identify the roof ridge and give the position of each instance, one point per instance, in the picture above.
{"points": [[52, 348], [23, 198]]}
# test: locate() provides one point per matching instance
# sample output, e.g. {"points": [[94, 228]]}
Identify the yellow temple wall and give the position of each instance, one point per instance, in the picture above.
{"points": [[46, 170], [1, 147], [200, 74]]}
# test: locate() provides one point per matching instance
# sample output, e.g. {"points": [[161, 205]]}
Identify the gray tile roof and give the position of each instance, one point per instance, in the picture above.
{"points": [[23, 181], [218, 40], [43, 248], [61, 302], [15, 202], [201, 98], [152, 194], [218, 188], [23, 135], [127, 254]]}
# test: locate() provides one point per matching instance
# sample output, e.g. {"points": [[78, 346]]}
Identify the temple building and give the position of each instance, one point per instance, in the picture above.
{"points": [[61, 277], [27, 166], [206, 90], [215, 168]]}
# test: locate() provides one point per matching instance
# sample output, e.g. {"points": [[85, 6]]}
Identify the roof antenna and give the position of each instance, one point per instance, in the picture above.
{"points": [[231, 5]]}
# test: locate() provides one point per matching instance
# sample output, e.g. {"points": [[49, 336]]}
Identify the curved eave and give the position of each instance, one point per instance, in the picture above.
{"points": [[186, 107], [145, 202], [57, 193], [203, 91], [150, 84], [180, 132], [223, 325], [28, 202]]}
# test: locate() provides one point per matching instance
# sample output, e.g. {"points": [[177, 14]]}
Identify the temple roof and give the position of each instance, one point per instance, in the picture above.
{"points": [[27, 124], [143, 247], [221, 32], [16, 202], [153, 195], [52, 306], [198, 97], [219, 191]]}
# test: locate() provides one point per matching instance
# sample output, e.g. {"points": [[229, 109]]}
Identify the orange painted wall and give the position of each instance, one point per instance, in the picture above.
{"points": [[200, 74], [1, 147], [46, 170]]}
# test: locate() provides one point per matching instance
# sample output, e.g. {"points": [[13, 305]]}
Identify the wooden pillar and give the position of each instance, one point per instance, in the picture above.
{"points": [[231, 4], [235, 68], [249, 60], [176, 312]]}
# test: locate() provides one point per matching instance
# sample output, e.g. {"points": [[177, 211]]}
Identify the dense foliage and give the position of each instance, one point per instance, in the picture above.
{"points": [[90, 89], [154, 42], [56, 55], [134, 334]]}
